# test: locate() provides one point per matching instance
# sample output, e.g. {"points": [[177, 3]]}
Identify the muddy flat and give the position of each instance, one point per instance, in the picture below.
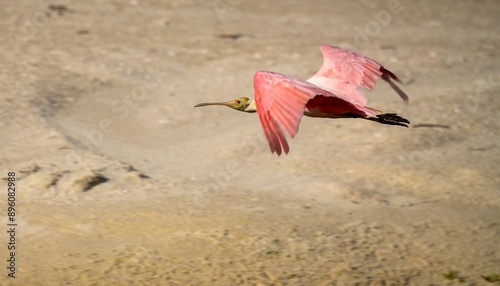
{"points": [[120, 181]]}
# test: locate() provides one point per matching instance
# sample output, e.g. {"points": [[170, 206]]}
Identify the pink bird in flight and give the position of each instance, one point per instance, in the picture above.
{"points": [[333, 92]]}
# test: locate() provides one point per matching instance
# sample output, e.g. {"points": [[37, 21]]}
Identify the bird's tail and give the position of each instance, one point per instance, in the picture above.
{"points": [[386, 118]]}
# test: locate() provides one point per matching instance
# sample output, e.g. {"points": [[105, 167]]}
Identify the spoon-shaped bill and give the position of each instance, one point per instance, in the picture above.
{"points": [[226, 103]]}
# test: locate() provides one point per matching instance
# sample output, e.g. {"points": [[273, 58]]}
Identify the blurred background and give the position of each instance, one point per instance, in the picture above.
{"points": [[121, 181]]}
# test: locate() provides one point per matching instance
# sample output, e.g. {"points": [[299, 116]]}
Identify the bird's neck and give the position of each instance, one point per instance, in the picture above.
{"points": [[250, 107]]}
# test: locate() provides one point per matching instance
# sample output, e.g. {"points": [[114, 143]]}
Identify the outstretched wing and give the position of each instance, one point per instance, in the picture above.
{"points": [[280, 100], [343, 72]]}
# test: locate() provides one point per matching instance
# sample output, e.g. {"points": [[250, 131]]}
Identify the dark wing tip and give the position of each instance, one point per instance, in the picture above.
{"points": [[387, 76]]}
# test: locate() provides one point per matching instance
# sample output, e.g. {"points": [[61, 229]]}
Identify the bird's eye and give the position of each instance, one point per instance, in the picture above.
{"points": [[238, 102]]}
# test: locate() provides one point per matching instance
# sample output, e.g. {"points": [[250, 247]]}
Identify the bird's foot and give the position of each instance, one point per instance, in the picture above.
{"points": [[392, 119]]}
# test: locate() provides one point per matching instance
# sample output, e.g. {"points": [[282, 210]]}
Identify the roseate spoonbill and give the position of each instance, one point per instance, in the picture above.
{"points": [[333, 92]]}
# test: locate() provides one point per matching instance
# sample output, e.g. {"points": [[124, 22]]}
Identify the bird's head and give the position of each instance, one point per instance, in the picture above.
{"points": [[240, 103]]}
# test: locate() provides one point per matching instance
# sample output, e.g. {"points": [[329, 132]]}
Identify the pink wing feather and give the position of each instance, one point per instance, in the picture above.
{"points": [[281, 99], [280, 102], [344, 71]]}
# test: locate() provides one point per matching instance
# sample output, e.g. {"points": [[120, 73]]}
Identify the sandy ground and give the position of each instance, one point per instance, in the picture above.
{"points": [[120, 181]]}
